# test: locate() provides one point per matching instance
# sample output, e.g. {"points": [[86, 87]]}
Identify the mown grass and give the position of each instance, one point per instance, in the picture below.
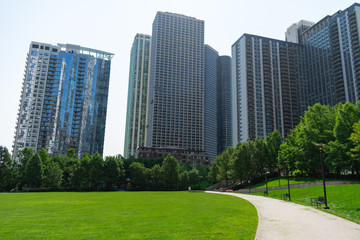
{"points": [[125, 215], [343, 200], [274, 182]]}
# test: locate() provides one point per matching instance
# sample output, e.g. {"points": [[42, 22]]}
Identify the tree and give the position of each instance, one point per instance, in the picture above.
{"points": [[223, 160], [184, 179], [7, 175], [194, 177], [96, 170], [53, 175], [33, 172], [214, 171], [170, 172], [24, 156], [137, 174], [111, 172], [273, 142], [338, 151], [157, 176]]}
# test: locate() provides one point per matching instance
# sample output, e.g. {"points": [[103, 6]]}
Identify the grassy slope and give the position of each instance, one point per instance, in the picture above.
{"points": [[274, 182], [343, 200], [125, 215]]}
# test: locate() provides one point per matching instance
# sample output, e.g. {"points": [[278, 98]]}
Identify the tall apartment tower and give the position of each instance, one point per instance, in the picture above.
{"points": [[64, 99], [210, 102], [268, 82], [176, 89], [137, 103], [224, 104], [333, 47]]}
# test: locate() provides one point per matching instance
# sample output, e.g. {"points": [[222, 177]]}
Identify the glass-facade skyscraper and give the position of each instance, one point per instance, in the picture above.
{"points": [[137, 103], [176, 89], [64, 99]]}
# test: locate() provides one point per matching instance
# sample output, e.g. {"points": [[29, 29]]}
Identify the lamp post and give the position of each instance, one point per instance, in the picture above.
{"points": [[287, 174], [320, 145], [267, 193], [249, 185]]}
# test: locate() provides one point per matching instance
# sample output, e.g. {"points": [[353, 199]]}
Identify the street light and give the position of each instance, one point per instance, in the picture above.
{"points": [[320, 145], [267, 193], [249, 185], [287, 174]]}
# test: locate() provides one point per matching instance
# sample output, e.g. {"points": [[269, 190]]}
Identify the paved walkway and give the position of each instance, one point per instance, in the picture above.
{"points": [[286, 220]]}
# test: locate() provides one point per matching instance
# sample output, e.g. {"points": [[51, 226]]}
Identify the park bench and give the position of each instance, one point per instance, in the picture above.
{"points": [[318, 201], [285, 196]]}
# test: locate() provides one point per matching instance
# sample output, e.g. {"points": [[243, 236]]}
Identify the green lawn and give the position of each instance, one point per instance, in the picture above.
{"points": [[125, 215], [274, 182], [343, 200]]}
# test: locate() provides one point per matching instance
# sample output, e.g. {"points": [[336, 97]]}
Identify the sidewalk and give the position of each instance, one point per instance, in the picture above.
{"points": [[286, 220]]}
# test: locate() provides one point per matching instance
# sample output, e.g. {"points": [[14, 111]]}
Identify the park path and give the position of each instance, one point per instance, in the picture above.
{"points": [[286, 220]]}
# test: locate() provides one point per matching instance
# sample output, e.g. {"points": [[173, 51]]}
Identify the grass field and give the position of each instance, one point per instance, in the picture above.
{"points": [[343, 200], [274, 182], [125, 215]]}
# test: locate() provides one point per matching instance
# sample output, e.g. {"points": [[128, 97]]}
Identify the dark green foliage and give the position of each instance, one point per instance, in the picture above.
{"points": [[33, 172], [170, 172], [40, 172], [96, 171], [7, 171], [137, 175]]}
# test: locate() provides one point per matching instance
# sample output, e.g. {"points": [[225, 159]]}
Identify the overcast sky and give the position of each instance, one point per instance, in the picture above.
{"points": [[111, 26]]}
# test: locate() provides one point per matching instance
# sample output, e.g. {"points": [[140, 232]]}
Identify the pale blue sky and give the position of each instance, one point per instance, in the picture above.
{"points": [[111, 26]]}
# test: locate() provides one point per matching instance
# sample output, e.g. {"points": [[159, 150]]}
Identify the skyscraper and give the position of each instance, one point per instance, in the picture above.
{"points": [[275, 81], [334, 57], [176, 89], [137, 103], [267, 80], [210, 102], [224, 104], [64, 99]]}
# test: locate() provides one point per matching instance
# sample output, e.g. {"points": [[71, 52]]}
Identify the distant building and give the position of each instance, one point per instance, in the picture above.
{"points": [[64, 99], [183, 156], [294, 32], [176, 88], [137, 103]]}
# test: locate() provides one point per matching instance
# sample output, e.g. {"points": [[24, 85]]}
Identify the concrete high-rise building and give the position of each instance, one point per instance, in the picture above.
{"points": [[137, 103], [176, 89], [268, 80], [224, 104], [210, 102], [64, 99], [275, 81], [333, 50], [294, 32]]}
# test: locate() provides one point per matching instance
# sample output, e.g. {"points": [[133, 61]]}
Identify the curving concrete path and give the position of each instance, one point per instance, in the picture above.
{"points": [[286, 220]]}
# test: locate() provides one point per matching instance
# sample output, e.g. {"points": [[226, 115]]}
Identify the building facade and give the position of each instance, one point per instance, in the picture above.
{"points": [[176, 88], [64, 99], [334, 57], [210, 102], [275, 81], [224, 104], [267, 80], [137, 103]]}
